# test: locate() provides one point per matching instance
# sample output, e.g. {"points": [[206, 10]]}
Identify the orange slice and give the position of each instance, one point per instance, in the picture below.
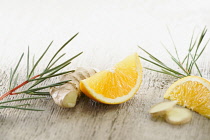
{"points": [[116, 85], [192, 92]]}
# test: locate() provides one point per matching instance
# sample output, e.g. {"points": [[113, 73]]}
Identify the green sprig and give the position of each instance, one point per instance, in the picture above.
{"points": [[49, 72], [187, 64], [19, 105], [12, 73]]}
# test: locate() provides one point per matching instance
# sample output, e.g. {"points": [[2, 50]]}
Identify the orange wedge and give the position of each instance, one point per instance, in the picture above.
{"points": [[116, 85], [192, 92]]}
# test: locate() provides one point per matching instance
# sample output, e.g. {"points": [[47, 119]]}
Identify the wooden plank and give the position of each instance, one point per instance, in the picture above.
{"points": [[91, 120]]}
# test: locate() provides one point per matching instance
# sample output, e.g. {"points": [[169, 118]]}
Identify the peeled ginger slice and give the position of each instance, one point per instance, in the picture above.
{"points": [[178, 116], [161, 108]]}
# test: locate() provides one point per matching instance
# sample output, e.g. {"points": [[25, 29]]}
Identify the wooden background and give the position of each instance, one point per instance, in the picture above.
{"points": [[109, 31]]}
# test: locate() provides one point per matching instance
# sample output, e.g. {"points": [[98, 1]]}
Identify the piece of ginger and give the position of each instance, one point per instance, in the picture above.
{"points": [[172, 114], [161, 108], [67, 95], [178, 116]]}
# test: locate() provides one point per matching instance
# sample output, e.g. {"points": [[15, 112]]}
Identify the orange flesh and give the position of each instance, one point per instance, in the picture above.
{"points": [[193, 95], [117, 82]]}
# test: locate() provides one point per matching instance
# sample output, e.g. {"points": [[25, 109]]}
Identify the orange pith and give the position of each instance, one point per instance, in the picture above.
{"points": [[116, 85], [193, 92]]}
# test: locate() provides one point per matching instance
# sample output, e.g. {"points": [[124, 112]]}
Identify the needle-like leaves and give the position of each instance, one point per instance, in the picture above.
{"points": [[15, 81], [21, 108], [56, 61], [44, 87], [54, 70], [28, 58], [159, 63], [173, 44], [19, 105], [37, 62], [50, 76], [39, 93], [15, 70], [187, 64], [22, 99], [49, 72], [177, 62], [61, 49]]}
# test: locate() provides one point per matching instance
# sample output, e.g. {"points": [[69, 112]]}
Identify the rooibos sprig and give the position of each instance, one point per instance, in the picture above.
{"points": [[49, 71]]}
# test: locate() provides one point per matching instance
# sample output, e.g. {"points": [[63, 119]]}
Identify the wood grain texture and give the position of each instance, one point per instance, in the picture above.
{"points": [[91, 120], [109, 31]]}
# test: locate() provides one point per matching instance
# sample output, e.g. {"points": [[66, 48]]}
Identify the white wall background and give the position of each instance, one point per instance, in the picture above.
{"points": [[109, 29]]}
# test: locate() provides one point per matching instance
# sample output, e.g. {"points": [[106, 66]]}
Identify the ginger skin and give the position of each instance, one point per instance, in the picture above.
{"points": [[67, 95]]}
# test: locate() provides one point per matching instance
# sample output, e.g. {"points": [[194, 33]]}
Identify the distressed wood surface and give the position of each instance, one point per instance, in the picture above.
{"points": [[109, 31]]}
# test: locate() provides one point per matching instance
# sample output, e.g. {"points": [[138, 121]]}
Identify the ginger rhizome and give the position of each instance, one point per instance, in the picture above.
{"points": [[178, 115], [172, 114], [161, 108], [67, 95]]}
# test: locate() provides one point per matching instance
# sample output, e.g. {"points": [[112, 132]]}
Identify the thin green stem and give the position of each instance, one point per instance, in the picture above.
{"points": [[56, 61], [16, 107], [15, 70], [50, 76], [22, 99], [39, 60], [39, 93], [28, 57], [166, 68], [163, 71], [61, 49], [52, 73], [15, 81], [173, 44], [176, 61], [189, 61], [44, 87]]}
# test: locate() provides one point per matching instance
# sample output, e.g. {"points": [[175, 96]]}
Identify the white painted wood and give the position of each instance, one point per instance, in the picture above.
{"points": [[109, 31]]}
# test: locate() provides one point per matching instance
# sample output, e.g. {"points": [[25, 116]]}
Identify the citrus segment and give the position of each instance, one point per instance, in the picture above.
{"points": [[192, 92], [116, 85]]}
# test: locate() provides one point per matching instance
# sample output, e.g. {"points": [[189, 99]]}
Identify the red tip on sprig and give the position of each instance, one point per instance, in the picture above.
{"points": [[17, 87]]}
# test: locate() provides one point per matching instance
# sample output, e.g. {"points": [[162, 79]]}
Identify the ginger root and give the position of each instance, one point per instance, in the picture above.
{"points": [[67, 95], [161, 108], [171, 114], [178, 116]]}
